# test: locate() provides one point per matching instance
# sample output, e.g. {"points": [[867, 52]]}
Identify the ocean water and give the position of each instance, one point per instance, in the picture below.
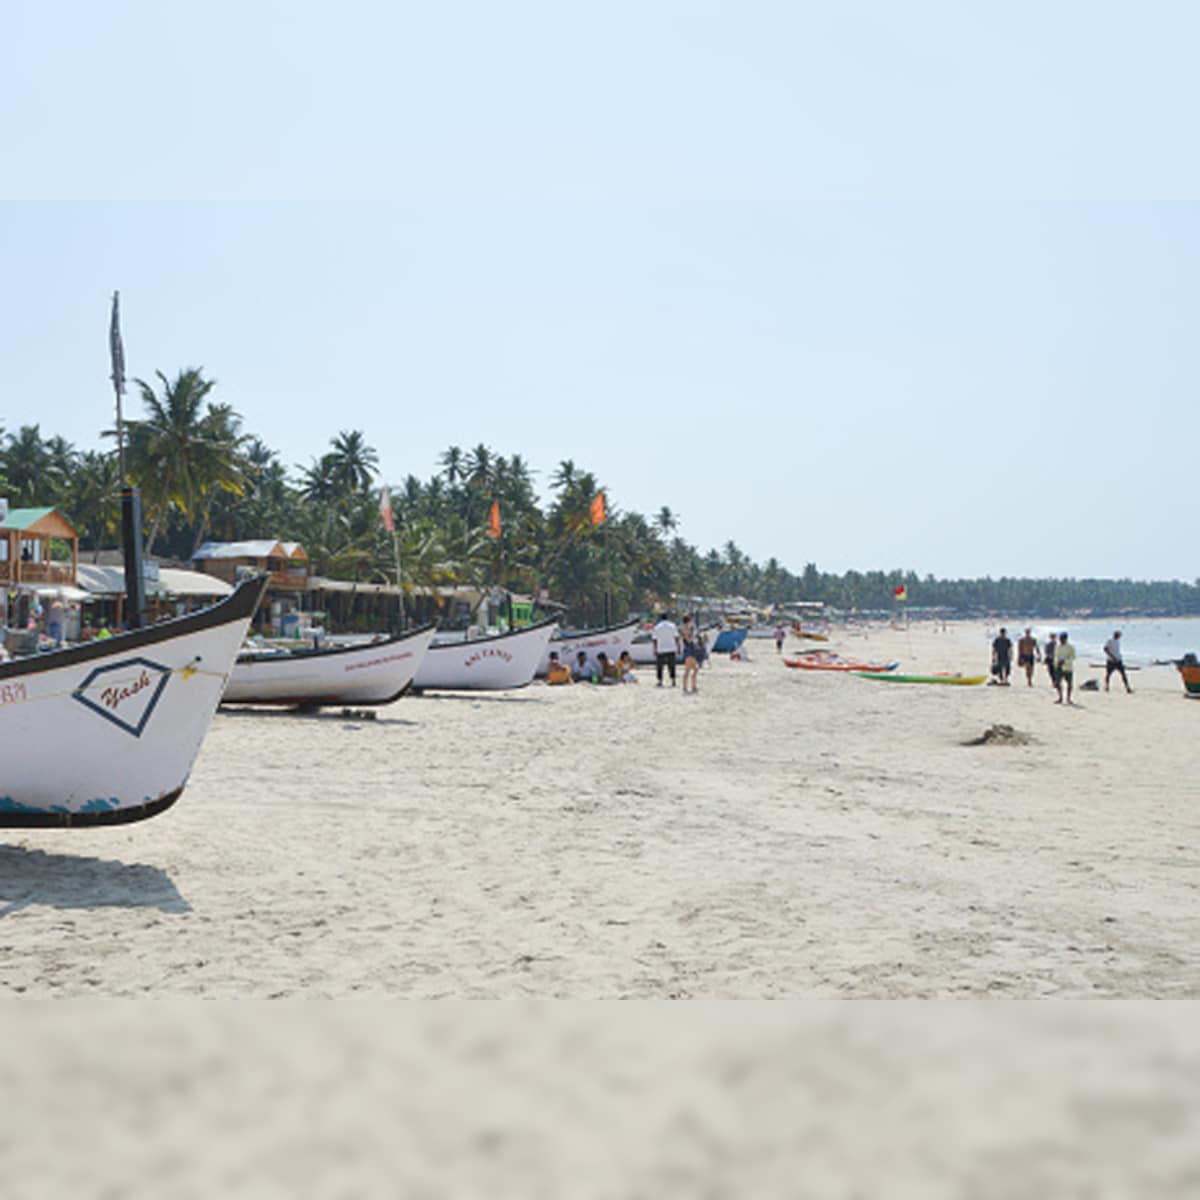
{"points": [[1143, 640]]}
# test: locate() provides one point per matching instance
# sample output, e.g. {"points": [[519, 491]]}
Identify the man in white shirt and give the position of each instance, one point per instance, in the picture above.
{"points": [[667, 646], [1064, 667], [1113, 662]]}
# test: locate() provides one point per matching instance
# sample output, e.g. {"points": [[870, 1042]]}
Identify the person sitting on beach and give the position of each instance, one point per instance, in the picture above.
{"points": [[583, 669], [1113, 662], [1064, 667], [607, 672], [626, 668], [1027, 654], [557, 672]]}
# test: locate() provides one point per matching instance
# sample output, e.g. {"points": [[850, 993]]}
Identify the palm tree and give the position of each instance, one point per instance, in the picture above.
{"points": [[27, 464], [92, 497], [179, 450], [666, 521], [224, 468], [354, 463], [317, 481], [454, 465], [564, 476]]}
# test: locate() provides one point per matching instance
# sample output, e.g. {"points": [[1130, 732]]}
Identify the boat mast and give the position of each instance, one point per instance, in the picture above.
{"points": [[131, 499]]}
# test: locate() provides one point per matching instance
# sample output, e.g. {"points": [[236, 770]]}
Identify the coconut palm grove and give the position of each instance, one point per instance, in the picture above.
{"points": [[477, 521]]}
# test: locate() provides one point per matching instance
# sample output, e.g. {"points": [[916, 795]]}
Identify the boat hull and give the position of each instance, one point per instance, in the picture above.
{"points": [[728, 640], [613, 641], [370, 674], [497, 663], [106, 733], [1191, 680]]}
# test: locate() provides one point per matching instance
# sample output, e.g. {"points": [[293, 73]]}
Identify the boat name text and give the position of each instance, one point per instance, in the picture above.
{"points": [[113, 697]]}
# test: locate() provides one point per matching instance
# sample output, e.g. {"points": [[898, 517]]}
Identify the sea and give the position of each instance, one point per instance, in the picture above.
{"points": [[1144, 640]]}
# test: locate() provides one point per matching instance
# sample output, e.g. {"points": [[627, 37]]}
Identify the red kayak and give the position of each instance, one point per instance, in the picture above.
{"points": [[824, 663]]}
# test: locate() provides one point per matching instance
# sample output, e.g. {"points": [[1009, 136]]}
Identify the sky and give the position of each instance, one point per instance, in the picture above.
{"points": [[870, 285]]}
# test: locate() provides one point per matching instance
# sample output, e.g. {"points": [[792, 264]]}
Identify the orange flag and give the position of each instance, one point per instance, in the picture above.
{"points": [[598, 514], [493, 529]]}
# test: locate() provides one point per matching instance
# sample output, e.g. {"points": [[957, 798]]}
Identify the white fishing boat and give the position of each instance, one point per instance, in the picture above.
{"points": [[492, 663], [106, 732], [613, 640], [376, 672]]}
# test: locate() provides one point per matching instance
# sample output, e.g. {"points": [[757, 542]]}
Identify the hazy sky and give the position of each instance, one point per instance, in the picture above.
{"points": [[866, 284]]}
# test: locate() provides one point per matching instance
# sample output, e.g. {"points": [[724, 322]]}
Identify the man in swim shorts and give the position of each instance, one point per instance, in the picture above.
{"points": [[1027, 654]]}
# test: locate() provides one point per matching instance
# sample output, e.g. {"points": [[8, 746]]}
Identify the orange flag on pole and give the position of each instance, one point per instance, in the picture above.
{"points": [[493, 529], [385, 509], [598, 514]]}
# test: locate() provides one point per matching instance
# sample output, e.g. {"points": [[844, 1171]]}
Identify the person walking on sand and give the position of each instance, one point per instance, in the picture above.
{"points": [[1113, 662], [1002, 656], [1027, 654], [1064, 667], [1048, 659], [779, 636], [693, 655], [667, 644]]}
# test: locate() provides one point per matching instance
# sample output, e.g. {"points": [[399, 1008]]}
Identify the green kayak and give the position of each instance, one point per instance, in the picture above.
{"points": [[961, 680]]}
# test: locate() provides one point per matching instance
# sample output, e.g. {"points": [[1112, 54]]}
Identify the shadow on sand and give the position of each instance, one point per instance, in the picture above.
{"points": [[375, 716], [29, 877]]}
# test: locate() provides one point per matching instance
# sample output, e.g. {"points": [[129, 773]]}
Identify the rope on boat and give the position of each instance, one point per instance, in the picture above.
{"points": [[185, 672]]}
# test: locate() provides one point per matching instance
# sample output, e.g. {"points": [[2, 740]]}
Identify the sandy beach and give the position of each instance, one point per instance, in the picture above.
{"points": [[782, 834]]}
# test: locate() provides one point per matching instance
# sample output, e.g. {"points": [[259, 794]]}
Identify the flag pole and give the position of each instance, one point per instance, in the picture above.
{"points": [[131, 499], [607, 576]]}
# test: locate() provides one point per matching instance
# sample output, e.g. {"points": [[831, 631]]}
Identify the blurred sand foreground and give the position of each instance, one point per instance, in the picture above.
{"points": [[931, 1101], [782, 834]]}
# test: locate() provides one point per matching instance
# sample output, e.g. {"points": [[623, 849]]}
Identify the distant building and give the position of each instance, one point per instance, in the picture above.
{"points": [[285, 562], [38, 548]]}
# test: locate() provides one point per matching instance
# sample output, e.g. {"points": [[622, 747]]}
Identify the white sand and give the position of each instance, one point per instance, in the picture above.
{"points": [[783, 834]]}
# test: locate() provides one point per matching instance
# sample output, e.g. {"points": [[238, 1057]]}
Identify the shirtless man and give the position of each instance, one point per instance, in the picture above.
{"points": [[1028, 653]]}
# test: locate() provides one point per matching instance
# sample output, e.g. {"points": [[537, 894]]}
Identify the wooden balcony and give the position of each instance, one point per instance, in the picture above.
{"points": [[42, 574]]}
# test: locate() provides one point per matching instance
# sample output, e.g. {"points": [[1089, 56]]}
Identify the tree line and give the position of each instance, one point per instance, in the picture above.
{"points": [[203, 476]]}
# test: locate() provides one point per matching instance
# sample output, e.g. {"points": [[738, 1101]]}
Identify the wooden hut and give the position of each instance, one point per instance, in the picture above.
{"points": [[38, 548]]}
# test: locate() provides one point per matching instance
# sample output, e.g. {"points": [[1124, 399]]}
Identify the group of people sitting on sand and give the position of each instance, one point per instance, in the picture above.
{"points": [[603, 670], [671, 645]]}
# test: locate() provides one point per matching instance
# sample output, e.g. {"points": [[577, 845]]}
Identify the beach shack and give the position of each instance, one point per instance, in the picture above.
{"points": [[39, 559], [284, 563], [169, 591], [38, 548]]}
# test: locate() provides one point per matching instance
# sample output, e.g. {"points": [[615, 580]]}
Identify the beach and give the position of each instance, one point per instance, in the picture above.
{"points": [[782, 834]]}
